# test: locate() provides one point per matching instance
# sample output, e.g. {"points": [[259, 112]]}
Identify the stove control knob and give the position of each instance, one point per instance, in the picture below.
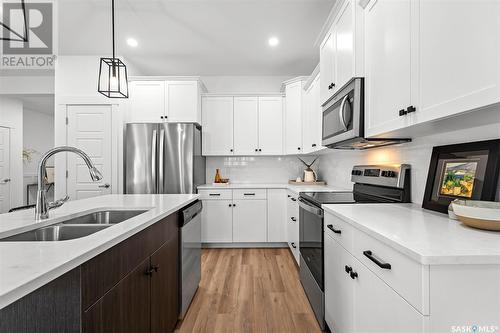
{"points": [[384, 173]]}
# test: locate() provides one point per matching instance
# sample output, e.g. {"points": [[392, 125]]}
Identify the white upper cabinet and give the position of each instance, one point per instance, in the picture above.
{"points": [[246, 126], [254, 126], [217, 125], [387, 64], [341, 53], [312, 117], [271, 125], [147, 101], [183, 101], [428, 60], [293, 117], [327, 66], [163, 100], [459, 56]]}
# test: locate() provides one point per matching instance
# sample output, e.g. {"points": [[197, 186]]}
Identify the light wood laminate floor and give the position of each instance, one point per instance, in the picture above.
{"points": [[249, 290]]}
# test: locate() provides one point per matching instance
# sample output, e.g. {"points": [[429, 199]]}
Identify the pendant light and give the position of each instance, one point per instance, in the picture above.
{"points": [[8, 32], [113, 81]]}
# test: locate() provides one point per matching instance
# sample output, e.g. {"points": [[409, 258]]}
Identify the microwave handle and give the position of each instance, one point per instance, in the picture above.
{"points": [[341, 112]]}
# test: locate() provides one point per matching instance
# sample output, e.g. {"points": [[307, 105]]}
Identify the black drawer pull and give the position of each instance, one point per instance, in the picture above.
{"points": [[293, 199], [384, 265], [353, 275], [313, 145], [348, 269], [293, 245], [214, 194], [330, 226], [293, 219], [248, 193], [402, 112]]}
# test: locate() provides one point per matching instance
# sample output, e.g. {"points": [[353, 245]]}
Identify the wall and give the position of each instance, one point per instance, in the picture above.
{"points": [[38, 135], [11, 115], [335, 165]]}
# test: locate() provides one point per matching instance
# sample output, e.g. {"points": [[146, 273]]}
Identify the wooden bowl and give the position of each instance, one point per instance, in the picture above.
{"points": [[478, 214]]}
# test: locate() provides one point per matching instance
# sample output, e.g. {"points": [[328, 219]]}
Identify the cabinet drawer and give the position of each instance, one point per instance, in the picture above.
{"points": [[216, 194], [407, 277], [339, 230], [249, 194]]}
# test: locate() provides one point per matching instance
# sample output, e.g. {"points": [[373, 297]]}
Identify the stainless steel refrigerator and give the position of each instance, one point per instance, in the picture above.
{"points": [[163, 158]]}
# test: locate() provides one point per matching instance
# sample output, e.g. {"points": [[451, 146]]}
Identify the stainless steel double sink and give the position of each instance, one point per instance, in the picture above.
{"points": [[76, 227]]}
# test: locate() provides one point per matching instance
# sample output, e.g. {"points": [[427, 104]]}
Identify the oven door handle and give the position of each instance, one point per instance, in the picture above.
{"points": [[310, 208], [341, 112]]}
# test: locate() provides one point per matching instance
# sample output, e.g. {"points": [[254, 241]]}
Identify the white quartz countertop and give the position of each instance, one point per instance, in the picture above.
{"points": [[26, 266], [428, 237], [295, 188]]}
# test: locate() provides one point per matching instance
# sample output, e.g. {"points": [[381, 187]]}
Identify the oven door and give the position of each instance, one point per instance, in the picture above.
{"points": [[311, 239], [343, 116]]}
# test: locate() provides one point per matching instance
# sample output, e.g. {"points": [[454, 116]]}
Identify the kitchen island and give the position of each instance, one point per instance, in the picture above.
{"points": [[98, 262]]}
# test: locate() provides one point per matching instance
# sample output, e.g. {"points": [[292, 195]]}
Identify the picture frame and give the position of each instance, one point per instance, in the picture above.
{"points": [[462, 171]]}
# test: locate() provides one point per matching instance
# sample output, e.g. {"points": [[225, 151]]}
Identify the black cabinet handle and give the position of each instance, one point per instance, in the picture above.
{"points": [[161, 117], [384, 265], [214, 194], [231, 150], [234, 205], [248, 193], [260, 149], [230, 205], [402, 112], [298, 148], [149, 272], [293, 199], [293, 245], [314, 145], [410, 109], [256, 149], [348, 269], [288, 195], [353, 275], [293, 219], [337, 231]]}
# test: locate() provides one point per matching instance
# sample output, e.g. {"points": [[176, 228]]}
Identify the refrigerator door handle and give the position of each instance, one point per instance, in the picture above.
{"points": [[153, 156], [161, 166]]}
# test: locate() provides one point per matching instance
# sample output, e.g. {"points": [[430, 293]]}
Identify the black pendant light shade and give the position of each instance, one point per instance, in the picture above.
{"points": [[113, 81], [9, 33], [113, 78]]}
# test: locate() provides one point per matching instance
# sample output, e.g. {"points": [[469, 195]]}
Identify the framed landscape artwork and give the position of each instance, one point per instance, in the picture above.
{"points": [[462, 171]]}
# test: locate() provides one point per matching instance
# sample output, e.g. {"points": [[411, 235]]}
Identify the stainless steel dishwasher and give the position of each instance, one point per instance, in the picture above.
{"points": [[190, 254]]}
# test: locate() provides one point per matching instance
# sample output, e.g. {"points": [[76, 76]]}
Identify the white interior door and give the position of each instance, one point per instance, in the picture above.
{"points": [[4, 170], [89, 128]]}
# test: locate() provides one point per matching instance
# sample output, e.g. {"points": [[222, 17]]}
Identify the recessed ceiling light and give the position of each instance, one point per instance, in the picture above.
{"points": [[132, 42], [273, 41]]}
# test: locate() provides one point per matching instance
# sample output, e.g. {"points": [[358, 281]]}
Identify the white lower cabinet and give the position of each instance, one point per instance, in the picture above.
{"points": [[356, 300], [276, 215], [249, 221], [339, 289], [293, 225], [217, 221], [243, 216]]}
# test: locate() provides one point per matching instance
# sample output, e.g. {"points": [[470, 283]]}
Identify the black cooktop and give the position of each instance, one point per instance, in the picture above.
{"points": [[373, 195]]}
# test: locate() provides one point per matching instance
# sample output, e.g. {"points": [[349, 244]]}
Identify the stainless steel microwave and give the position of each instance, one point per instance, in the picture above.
{"points": [[344, 120], [344, 115]]}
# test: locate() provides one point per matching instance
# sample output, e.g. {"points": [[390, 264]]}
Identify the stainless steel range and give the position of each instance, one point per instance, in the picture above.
{"points": [[372, 184]]}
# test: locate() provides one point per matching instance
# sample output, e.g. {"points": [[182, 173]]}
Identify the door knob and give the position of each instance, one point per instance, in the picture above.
{"points": [[5, 181], [105, 186]]}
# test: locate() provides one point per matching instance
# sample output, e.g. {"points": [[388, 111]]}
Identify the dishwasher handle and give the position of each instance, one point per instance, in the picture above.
{"points": [[189, 213]]}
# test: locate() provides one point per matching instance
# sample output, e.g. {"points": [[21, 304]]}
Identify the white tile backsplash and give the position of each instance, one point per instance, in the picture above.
{"points": [[256, 169], [335, 165]]}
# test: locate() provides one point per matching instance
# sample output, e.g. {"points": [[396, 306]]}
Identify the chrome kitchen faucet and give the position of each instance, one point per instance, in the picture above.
{"points": [[42, 206]]}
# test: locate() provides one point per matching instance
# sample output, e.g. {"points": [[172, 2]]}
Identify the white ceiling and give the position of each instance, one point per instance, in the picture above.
{"points": [[198, 37]]}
